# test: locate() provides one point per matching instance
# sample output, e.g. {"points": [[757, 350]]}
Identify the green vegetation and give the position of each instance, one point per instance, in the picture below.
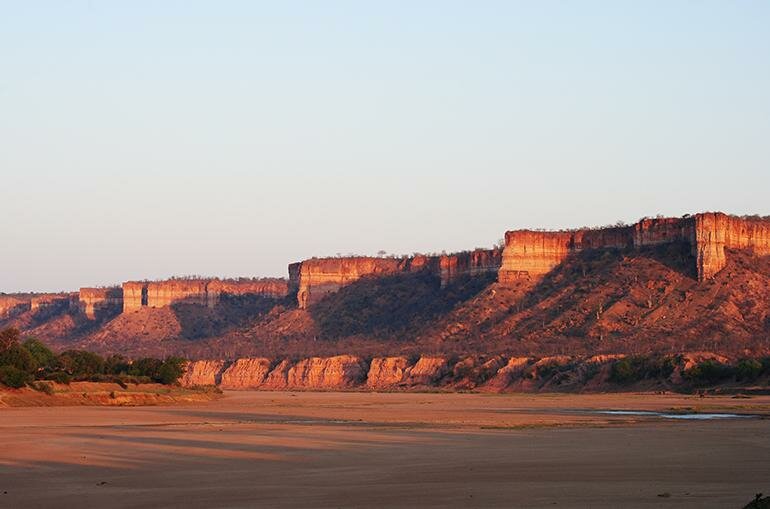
{"points": [[634, 369], [30, 362]]}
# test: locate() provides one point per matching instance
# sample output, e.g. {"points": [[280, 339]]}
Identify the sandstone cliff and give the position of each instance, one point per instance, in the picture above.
{"points": [[204, 292], [94, 299], [532, 254], [320, 276], [497, 373]]}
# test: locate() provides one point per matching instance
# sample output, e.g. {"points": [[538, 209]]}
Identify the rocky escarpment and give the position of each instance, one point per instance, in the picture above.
{"points": [[715, 232], [93, 300], [17, 303], [204, 292], [496, 373], [532, 254], [318, 277]]}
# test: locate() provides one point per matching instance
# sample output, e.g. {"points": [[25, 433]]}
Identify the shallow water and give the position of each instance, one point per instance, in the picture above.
{"points": [[686, 417]]}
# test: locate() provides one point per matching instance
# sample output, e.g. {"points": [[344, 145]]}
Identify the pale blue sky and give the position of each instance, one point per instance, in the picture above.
{"points": [[150, 139]]}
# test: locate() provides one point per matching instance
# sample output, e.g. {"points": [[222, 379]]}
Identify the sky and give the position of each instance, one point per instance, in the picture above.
{"points": [[149, 139]]}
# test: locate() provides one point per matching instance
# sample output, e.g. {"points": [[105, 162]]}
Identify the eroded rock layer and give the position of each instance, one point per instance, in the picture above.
{"points": [[93, 299], [496, 373], [532, 254], [204, 292], [320, 276]]}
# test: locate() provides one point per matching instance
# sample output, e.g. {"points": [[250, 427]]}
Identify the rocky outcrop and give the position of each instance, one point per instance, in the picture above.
{"points": [[532, 254], [320, 276], [342, 371], [387, 372], [715, 232], [134, 295], [204, 292], [15, 304], [278, 378], [199, 373], [472, 263], [428, 371], [11, 305], [246, 374], [95, 299]]}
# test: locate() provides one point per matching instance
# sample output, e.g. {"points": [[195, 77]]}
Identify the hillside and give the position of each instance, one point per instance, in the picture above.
{"points": [[660, 286]]}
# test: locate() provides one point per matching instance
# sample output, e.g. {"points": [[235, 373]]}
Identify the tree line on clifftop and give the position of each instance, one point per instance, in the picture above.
{"points": [[29, 362]]}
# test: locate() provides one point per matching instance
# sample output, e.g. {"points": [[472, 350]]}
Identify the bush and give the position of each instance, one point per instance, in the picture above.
{"points": [[171, 370], [60, 377], [17, 356], [116, 365], [79, 363], [634, 369], [13, 377], [162, 371], [43, 357], [748, 369], [709, 372]]}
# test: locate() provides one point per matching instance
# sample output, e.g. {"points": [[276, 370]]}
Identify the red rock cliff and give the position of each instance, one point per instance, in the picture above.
{"points": [[532, 254], [320, 276], [715, 231], [205, 292], [11, 305], [92, 299]]}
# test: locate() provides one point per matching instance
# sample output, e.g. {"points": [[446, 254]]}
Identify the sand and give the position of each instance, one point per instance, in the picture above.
{"points": [[282, 449]]}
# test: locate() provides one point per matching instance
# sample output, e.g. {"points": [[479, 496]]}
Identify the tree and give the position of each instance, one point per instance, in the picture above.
{"points": [[19, 358], [8, 337], [42, 355], [81, 363]]}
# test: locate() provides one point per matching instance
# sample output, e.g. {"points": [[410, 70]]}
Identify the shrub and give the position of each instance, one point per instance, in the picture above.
{"points": [[116, 365], [80, 363], [9, 337], [13, 377], [709, 372], [60, 377], [748, 369], [17, 356], [170, 371], [43, 357], [635, 369]]}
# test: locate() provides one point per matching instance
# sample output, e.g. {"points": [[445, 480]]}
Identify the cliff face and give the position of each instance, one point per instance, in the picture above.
{"points": [[321, 276], [11, 305], [15, 304], [134, 295], [318, 277], [93, 299], [204, 292], [202, 373], [531, 254], [273, 288], [488, 374], [716, 231], [473, 263], [246, 373]]}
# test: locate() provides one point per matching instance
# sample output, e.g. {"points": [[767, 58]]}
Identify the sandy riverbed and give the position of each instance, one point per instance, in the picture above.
{"points": [[281, 449]]}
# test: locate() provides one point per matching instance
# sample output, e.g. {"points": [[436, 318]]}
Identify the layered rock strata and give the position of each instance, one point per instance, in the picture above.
{"points": [[204, 292], [319, 277], [532, 254], [94, 299]]}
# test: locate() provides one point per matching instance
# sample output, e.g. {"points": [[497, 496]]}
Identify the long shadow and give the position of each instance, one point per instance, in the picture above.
{"points": [[231, 312], [579, 274], [386, 307]]}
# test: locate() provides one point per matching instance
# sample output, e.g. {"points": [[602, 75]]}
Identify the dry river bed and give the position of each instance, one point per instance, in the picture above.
{"points": [[355, 449]]}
